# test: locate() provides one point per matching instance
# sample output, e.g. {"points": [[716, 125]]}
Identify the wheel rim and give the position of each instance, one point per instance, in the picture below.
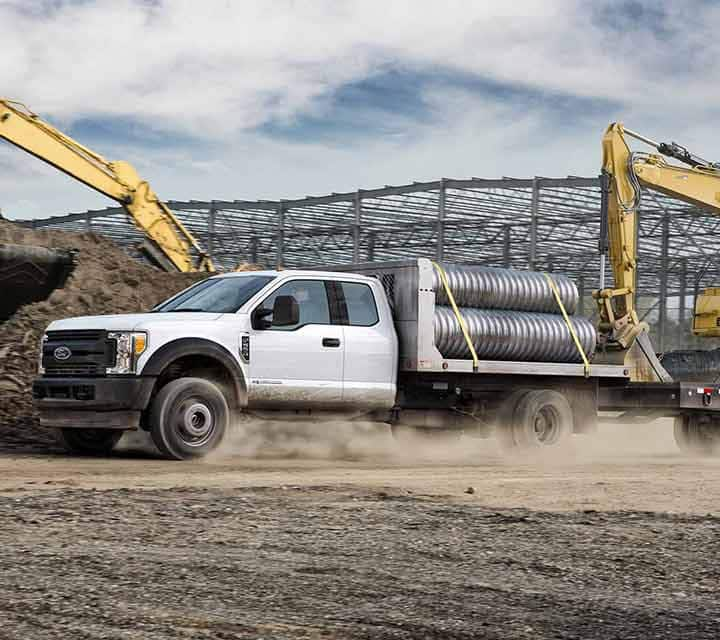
{"points": [[195, 422], [547, 425]]}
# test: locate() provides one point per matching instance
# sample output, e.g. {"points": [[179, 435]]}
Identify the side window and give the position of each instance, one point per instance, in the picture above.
{"points": [[360, 304], [312, 300]]}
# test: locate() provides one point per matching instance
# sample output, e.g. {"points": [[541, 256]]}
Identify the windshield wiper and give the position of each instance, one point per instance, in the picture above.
{"points": [[188, 310]]}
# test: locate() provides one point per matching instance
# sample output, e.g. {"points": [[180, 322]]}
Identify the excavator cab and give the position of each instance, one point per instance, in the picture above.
{"points": [[30, 274], [706, 320]]}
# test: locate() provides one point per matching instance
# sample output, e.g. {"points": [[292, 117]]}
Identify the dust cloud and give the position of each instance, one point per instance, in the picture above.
{"points": [[365, 441]]}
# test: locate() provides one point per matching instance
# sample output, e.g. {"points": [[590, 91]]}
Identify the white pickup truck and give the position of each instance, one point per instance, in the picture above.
{"points": [[308, 345]]}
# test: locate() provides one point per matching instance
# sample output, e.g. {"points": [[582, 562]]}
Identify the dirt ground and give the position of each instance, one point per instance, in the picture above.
{"points": [[616, 537]]}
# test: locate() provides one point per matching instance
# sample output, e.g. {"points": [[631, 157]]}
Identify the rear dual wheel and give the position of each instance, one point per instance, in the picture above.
{"points": [[534, 419], [697, 435]]}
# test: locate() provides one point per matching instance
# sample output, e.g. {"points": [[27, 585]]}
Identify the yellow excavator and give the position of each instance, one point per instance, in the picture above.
{"points": [[29, 273], [625, 174], [168, 243]]}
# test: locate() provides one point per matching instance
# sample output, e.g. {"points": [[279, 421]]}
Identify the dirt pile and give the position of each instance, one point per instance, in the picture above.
{"points": [[105, 280]]}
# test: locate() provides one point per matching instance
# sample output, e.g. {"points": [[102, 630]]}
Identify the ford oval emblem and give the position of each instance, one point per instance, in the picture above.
{"points": [[62, 353]]}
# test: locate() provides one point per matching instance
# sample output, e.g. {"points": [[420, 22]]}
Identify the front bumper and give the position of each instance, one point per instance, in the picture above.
{"points": [[98, 403]]}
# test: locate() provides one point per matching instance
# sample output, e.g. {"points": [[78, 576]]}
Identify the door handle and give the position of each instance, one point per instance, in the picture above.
{"points": [[331, 342]]}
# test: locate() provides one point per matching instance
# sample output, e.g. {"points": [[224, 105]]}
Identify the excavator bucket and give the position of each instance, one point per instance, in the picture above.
{"points": [[29, 274]]}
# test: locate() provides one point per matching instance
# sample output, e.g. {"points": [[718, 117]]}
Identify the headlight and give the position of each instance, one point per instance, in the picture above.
{"points": [[41, 369], [130, 346]]}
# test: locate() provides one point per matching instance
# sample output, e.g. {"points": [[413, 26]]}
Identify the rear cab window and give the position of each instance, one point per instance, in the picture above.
{"points": [[357, 306]]}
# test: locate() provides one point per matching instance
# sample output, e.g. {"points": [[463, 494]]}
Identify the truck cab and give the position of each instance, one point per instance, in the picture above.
{"points": [[276, 344]]}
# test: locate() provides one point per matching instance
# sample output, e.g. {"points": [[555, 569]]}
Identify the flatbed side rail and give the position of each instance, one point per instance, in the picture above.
{"points": [[502, 367]]}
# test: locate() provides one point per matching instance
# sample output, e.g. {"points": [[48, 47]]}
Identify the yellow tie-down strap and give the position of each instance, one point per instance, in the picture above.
{"points": [[456, 311], [569, 324]]}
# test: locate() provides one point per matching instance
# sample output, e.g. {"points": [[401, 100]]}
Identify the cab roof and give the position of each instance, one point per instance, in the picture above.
{"points": [[284, 273]]}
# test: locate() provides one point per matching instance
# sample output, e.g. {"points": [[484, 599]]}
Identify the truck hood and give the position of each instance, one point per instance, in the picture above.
{"points": [[130, 321]]}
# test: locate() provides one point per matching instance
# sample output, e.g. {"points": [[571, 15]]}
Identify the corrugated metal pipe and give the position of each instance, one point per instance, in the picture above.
{"points": [[495, 288], [512, 335]]}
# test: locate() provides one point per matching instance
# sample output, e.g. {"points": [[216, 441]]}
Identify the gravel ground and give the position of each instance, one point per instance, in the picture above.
{"points": [[616, 538], [346, 562]]}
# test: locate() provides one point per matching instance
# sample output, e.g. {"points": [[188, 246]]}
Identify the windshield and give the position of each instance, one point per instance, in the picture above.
{"points": [[216, 295]]}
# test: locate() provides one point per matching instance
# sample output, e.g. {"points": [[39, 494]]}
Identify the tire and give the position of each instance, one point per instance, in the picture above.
{"points": [[696, 437], [89, 442], [540, 418], [188, 418], [682, 434], [505, 420]]}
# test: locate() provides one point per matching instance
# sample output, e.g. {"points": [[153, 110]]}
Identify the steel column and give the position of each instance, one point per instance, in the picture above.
{"points": [[682, 294], [662, 312], [440, 231], [211, 231], [534, 205], [357, 228], [696, 293], [371, 246], [280, 236], [507, 262]]}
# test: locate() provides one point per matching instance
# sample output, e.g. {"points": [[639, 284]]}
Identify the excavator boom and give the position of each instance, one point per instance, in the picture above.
{"points": [[625, 175], [169, 243]]}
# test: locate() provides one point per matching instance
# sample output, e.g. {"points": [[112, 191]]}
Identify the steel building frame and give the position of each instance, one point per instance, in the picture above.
{"points": [[543, 223]]}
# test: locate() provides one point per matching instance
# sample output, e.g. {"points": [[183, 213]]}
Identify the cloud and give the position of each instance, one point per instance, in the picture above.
{"points": [[248, 98]]}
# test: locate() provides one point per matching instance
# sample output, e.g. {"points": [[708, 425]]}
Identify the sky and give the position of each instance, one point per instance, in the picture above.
{"points": [[258, 99]]}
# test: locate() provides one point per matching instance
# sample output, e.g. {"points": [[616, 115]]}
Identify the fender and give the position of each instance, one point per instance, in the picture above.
{"points": [[182, 347]]}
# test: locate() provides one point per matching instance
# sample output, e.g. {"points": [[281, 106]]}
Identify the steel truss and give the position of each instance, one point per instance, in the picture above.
{"points": [[543, 223]]}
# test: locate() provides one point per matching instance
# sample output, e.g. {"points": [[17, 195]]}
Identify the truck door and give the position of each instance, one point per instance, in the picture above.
{"points": [[371, 349], [300, 364]]}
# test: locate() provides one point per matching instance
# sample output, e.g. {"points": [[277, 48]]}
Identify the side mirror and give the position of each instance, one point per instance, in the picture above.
{"points": [[258, 319], [286, 312]]}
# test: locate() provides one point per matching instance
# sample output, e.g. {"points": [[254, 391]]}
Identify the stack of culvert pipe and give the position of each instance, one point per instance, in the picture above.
{"points": [[510, 315]]}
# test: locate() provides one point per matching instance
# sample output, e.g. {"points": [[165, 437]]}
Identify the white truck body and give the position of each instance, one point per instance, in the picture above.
{"points": [[304, 344]]}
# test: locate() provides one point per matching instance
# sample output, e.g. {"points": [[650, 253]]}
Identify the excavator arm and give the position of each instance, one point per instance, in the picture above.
{"points": [[169, 243], [625, 175]]}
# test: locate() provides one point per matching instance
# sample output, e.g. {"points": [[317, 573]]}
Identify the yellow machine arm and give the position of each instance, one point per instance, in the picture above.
{"points": [[626, 173], [169, 244]]}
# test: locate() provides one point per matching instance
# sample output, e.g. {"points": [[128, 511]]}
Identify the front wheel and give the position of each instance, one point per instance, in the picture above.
{"points": [[89, 442], [188, 418], [535, 419]]}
